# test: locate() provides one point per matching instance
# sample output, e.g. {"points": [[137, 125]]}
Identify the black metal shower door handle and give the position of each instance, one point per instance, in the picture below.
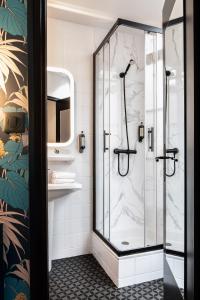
{"points": [[173, 151], [165, 158]]}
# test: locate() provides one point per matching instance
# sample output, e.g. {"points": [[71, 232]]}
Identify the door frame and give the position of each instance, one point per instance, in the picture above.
{"points": [[37, 64], [38, 163], [192, 47]]}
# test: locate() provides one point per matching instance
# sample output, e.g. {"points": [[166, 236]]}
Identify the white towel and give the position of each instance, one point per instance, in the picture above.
{"points": [[61, 181], [63, 175]]}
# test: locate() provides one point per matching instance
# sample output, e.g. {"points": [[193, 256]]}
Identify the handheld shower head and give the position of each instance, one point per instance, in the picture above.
{"points": [[123, 74]]}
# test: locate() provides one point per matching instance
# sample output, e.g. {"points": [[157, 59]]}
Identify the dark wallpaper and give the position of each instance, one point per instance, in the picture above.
{"points": [[14, 174]]}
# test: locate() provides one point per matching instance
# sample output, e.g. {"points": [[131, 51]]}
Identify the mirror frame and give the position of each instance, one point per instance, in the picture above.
{"points": [[69, 75]]}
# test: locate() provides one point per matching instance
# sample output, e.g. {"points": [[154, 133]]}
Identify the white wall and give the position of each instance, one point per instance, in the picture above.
{"points": [[71, 46]]}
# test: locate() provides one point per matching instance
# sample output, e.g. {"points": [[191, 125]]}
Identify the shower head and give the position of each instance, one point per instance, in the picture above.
{"points": [[123, 74]]}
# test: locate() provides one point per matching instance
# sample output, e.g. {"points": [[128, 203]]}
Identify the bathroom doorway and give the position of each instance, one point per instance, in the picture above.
{"points": [[82, 161]]}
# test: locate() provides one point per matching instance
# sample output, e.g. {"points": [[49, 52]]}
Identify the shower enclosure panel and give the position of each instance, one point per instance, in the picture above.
{"points": [[103, 141], [99, 141], [106, 122], [153, 139]]}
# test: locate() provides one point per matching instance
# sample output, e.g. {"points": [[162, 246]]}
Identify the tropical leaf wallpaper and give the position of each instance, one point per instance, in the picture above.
{"points": [[14, 174]]}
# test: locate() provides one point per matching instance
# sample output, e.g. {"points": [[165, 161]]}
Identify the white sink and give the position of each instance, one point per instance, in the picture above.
{"points": [[64, 186], [60, 157], [56, 191]]}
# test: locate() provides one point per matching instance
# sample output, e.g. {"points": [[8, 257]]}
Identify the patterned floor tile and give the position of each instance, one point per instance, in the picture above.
{"points": [[83, 278]]}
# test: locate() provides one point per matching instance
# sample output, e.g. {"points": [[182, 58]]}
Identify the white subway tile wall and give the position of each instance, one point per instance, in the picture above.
{"points": [[71, 46]]}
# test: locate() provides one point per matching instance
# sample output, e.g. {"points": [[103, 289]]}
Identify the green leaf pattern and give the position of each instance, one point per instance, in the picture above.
{"points": [[14, 184], [14, 172], [14, 18]]}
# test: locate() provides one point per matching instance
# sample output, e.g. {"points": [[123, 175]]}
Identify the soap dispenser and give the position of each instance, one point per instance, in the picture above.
{"points": [[141, 132]]}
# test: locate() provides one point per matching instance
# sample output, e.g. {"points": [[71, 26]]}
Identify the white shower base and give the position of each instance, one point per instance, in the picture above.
{"points": [[176, 246], [130, 269], [128, 243], [131, 240]]}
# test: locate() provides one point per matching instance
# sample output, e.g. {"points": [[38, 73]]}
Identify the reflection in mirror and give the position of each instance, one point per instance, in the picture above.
{"points": [[60, 107], [175, 143], [58, 120]]}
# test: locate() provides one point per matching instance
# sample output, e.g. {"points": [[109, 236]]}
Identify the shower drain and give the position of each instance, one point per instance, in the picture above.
{"points": [[168, 244], [125, 243]]}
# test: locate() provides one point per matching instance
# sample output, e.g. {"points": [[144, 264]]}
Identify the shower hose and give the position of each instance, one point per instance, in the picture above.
{"points": [[127, 137]]}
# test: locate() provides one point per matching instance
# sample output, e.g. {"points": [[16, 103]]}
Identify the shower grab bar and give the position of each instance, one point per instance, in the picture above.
{"points": [[124, 151], [104, 141], [151, 139]]}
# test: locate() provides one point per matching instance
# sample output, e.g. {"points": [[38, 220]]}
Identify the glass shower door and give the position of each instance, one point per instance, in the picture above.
{"points": [[99, 142], [175, 138], [102, 142], [106, 121]]}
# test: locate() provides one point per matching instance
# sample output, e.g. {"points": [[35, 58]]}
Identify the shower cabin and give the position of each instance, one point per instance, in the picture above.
{"points": [[139, 152], [128, 205], [128, 136]]}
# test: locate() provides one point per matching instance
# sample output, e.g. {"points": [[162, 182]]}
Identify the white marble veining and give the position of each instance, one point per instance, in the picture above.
{"points": [[175, 137], [127, 193]]}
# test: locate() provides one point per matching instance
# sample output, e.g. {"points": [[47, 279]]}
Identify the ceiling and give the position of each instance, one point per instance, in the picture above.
{"points": [[105, 12]]}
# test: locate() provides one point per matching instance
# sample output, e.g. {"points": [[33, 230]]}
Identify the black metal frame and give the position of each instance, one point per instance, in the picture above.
{"points": [[127, 23], [174, 22], [174, 252], [192, 47], [146, 28], [38, 150], [171, 289]]}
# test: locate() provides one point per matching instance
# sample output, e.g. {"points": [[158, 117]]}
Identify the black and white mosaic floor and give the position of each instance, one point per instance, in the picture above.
{"points": [[83, 278]]}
